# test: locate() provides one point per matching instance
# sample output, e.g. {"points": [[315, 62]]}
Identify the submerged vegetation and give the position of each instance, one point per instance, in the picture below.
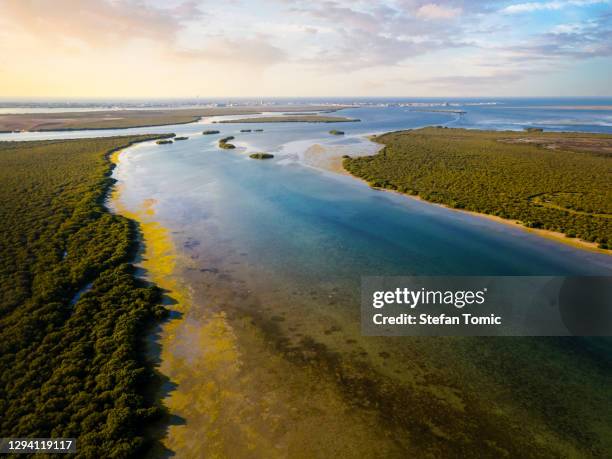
{"points": [[336, 132], [72, 312], [245, 130], [261, 156], [554, 181], [210, 132], [223, 143]]}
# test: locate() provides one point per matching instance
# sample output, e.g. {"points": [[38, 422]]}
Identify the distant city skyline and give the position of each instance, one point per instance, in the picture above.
{"points": [[286, 48]]}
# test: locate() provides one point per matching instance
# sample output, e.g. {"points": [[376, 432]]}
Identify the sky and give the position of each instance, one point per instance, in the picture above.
{"points": [[266, 48]]}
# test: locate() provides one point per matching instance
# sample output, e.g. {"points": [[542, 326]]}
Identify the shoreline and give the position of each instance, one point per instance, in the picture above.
{"points": [[157, 260], [544, 233], [548, 234], [196, 382]]}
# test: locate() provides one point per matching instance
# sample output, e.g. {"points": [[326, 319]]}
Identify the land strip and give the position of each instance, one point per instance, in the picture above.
{"points": [[123, 119]]}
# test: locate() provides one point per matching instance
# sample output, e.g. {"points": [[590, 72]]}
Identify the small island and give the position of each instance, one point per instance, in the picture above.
{"points": [[163, 142], [257, 130], [211, 132], [336, 132], [223, 143], [245, 130], [261, 156], [181, 138]]}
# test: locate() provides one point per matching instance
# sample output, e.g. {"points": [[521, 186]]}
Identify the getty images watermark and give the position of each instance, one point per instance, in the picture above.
{"points": [[486, 306]]}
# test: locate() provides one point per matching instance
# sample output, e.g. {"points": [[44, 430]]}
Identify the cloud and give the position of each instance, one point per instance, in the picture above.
{"points": [[457, 81], [434, 11], [588, 39], [544, 6], [251, 52], [366, 34], [113, 24], [344, 16], [317, 43], [96, 22]]}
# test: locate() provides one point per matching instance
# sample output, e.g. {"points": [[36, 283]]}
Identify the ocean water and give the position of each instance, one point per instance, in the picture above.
{"points": [[272, 253]]}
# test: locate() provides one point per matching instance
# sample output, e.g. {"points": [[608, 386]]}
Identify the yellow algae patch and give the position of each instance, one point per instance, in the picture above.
{"points": [[160, 256], [148, 206], [114, 158]]}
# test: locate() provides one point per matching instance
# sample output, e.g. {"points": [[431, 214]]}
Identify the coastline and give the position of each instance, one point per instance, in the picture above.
{"points": [[548, 234], [195, 352], [331, 164], [551, 235], [158, 261]]}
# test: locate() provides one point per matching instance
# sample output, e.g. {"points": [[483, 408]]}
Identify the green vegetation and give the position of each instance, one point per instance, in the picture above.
{"points": [[223, 143], [181, 138], [261, 156], [293, 119], [72, 313], [210, 132], [554, 181], [336, 132], [163, 142], [533, 129]]}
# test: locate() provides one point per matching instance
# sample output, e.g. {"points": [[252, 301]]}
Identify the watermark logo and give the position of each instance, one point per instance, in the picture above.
{"points": [[486, 306]]}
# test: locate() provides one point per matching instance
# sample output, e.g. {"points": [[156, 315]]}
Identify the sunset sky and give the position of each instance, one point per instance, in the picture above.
{"points": [[133, 48]]}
